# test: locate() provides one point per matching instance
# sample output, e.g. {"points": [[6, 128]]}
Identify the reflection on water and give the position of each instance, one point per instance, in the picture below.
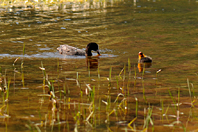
{"points": [[57, 4], [42, 26], [92, 62], [144, 65], [25, 8], [48, 24]]}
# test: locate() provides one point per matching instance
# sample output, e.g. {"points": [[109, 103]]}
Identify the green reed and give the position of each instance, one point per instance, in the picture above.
{"points": [[190, 93], [172, 99], [98, 72], [110, 70], [8, 87], [166, 112], [24, 49], [124, 76], [129, 76], [22, 70], [99, 109], [64, 90], [94, 117], [129, 124], [135, 76], [52, 86], [148, 118], [143, 72], [178, 98], [22, 75], [136, 108], [29, 126], [68, 129], [153, 128], [143, 91], [79, 112], [44, 76], [5, 96], [123, 80], [93, 96], [120, 108], [162, 105], [129, 65], [109, 102], [5, 88], [188, 84], [128, 87], [14, 69], [117, 83], [193, 89], [78, 83]]}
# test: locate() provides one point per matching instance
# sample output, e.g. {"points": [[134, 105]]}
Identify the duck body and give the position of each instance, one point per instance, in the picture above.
{"points": [[144, 59], [70, 50]]}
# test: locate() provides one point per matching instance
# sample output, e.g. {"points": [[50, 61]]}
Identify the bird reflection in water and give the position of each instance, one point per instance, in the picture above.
{"points": [[92, 61], [144, 65], [144, 61]]}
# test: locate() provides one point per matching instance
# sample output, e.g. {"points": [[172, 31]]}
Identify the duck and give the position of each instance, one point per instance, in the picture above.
{"points": [[144, 61], [143, 58], [70, 50]]}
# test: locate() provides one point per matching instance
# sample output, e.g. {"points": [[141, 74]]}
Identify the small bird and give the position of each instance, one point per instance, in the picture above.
{"points": [[144, 61], [69, 50], [143, 58]]}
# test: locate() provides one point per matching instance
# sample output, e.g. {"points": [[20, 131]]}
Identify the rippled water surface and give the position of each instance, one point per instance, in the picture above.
{"points": [[31, 31]]}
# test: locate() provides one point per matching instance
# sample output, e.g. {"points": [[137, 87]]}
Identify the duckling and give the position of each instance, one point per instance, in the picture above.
{"points": [[143, 58], [69, 50]]}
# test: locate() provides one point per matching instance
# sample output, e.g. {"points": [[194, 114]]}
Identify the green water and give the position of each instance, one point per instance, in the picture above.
{"points": [[166, 30]]}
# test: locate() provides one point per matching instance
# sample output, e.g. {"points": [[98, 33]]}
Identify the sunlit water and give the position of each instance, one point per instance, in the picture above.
{"points": [[165, 30]]}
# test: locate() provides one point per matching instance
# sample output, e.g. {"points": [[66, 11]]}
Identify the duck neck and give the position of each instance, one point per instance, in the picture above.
{"points": [[141, 56], [88, 52]]}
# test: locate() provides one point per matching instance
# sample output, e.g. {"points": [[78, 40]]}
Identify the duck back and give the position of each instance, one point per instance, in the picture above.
{"points": [[145, 59], [70, 50]]}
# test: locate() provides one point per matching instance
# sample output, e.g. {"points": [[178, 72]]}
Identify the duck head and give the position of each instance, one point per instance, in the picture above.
{"points": [[90, 47], [141, 55]]}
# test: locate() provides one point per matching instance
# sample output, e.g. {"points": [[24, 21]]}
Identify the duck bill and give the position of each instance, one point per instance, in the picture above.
{"points": [[98, 52]]}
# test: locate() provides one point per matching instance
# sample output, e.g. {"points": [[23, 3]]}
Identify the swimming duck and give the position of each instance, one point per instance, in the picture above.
{"points": [[143, 58], [69, 50]]}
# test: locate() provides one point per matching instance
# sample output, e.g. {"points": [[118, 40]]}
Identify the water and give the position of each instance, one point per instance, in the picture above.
{"points": [[165, 30]]}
